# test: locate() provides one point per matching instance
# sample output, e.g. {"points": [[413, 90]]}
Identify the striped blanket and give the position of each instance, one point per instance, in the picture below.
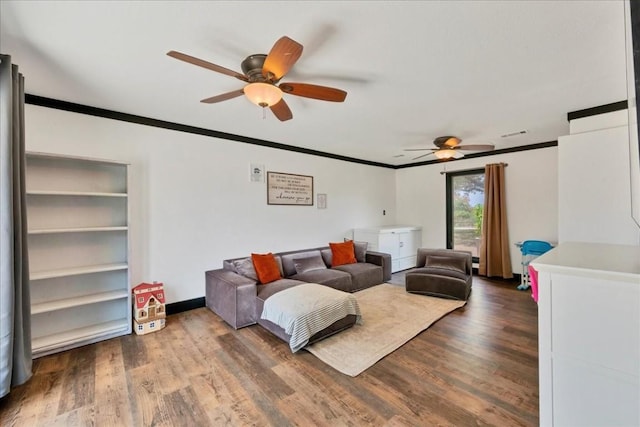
{"points": [[306, 309]]}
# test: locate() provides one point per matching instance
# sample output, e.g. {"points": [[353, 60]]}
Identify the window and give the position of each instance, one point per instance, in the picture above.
{"points": [[465, 203]]}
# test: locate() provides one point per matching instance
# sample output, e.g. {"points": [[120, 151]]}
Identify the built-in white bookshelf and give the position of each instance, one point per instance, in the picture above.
{"points": [[78, 219]]}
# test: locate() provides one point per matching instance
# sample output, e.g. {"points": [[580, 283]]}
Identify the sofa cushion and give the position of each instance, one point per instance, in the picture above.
{"points": [[288, 264], [438, 272], [303, 265], [360, 249], [266, 267], [438, 286], [342, 253], [326, 256], [447, 263], [245, 268], [330, 277], [363, 275], [265, 291]]}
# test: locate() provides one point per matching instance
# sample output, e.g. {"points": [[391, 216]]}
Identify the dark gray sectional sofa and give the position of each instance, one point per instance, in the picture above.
{"points": [[237, 297]]}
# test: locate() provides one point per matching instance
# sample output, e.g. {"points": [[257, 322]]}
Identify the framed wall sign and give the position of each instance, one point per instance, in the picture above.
{"points": [[289, 189]]}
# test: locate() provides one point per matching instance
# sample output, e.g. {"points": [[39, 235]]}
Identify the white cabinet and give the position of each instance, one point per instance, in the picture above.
{"points": [[401, 242], [589, 335], [77, 214], [595, 202]]}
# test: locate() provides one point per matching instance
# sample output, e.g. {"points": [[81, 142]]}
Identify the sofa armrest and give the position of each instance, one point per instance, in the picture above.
{"points": [[381, 259], [231, 296]]}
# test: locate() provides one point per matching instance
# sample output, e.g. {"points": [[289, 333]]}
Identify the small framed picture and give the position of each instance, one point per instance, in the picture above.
{"points": [[322, 201]]}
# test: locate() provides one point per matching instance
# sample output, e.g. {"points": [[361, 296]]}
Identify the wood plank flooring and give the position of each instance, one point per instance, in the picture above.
{"points": [[477, 366]]}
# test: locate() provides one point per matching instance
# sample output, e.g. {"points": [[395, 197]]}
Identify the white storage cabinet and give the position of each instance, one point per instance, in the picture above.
{"points": [[77, 214], [401, 242], [589, 335], [594, 203]]}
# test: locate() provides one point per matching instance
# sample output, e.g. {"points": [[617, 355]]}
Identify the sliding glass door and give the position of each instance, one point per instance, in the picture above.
{"points": [[465, 203]]}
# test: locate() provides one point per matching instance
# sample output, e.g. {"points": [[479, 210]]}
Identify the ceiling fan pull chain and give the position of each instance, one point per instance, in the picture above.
{"points": [[264, 113]]}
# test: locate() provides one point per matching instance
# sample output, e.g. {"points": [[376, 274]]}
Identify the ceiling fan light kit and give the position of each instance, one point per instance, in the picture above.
{"points": [[445, 154], [262, 73], [263, 94]]}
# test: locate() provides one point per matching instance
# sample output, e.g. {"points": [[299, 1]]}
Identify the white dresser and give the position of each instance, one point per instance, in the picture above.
{"points": [[589, 335], [400, 241]]}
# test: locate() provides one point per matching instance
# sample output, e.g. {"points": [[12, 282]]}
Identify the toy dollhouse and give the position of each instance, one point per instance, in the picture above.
{"points": [[148, 308]]}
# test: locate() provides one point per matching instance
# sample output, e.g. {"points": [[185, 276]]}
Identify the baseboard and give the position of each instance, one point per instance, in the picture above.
{"points": [[180, 306]]}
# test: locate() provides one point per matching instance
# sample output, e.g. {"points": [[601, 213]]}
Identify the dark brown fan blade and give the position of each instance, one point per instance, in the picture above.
{"points": [[223, 97], [474, 147], [208, 65], [322, 93], [284, 53], [282, 111], [420, 149]]}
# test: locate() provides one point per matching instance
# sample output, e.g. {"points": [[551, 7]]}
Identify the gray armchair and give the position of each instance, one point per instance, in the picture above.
{"points": [[441, 273]]}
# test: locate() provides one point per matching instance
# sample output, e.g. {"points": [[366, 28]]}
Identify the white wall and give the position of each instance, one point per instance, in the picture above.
{"points": [[192, 203], [532, 197]]}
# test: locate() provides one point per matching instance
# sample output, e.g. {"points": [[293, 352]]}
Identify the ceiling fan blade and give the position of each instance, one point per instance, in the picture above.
{"points": [[420, 149], [474, 147], [282, 111], [322, 93], [208, 65], [424, 155], [223, 97], [284, 53]]}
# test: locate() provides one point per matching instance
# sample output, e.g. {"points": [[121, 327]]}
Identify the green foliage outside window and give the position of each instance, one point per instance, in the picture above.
{"points": [[468, 201]]}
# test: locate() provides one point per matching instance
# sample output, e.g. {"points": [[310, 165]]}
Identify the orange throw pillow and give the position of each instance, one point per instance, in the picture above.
{"points": [[266, 267], [342, 253]]}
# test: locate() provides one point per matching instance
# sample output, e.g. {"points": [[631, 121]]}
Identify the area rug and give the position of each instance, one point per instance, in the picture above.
{"points": [[391, 317]]}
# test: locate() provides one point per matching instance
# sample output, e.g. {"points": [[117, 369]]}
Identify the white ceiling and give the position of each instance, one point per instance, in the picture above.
{"points": [[413, 70]]}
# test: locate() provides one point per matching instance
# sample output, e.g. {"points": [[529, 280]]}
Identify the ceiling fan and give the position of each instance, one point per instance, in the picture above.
{"points": [[262, 74], [449, 147]]}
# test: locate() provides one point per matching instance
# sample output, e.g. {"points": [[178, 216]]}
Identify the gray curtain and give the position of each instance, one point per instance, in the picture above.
{"points": [[15, 311]]}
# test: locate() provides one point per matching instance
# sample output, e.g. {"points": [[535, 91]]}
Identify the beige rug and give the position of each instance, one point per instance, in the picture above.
{"points": [[391, 317]]}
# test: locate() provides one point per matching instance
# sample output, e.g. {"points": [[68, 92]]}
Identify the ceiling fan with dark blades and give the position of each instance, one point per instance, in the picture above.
{"points": [[449, 147], [262, 74]]}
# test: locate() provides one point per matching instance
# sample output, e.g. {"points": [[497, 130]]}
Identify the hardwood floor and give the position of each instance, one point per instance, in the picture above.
{"points": [[477, 366]]}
